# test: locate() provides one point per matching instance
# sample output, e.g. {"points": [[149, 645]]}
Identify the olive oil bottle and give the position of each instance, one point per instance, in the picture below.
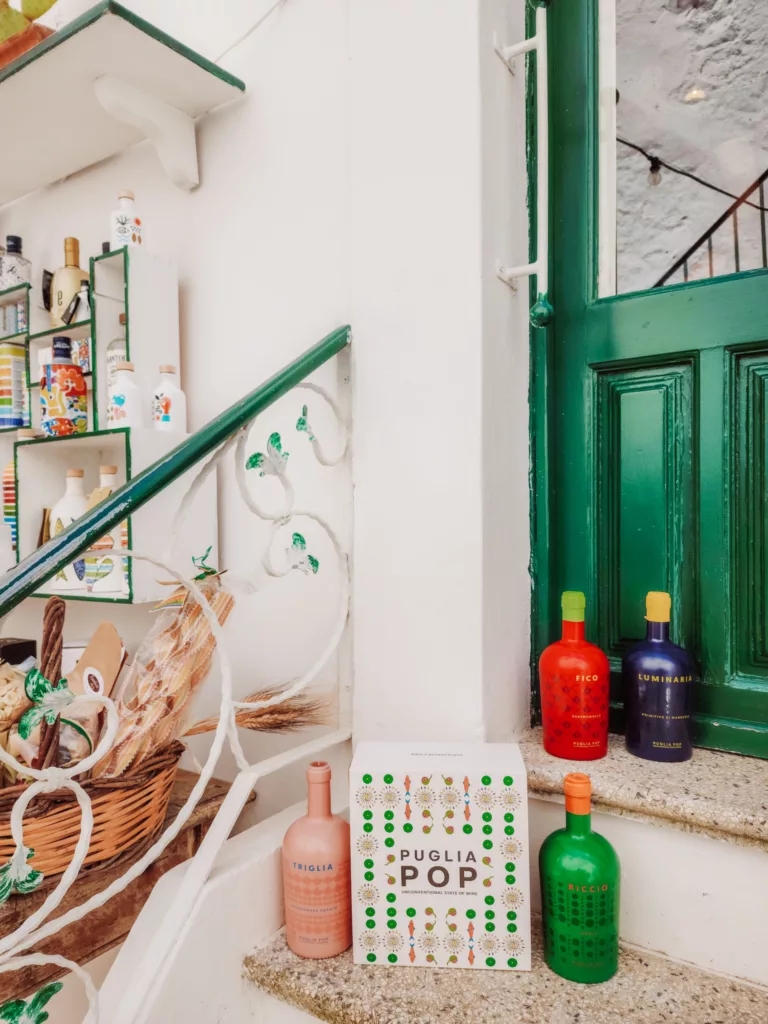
{"points": [[66, 282], [579, 873]]}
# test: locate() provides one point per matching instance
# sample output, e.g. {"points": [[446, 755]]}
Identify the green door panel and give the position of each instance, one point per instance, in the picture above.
{"points": [[649, 438]]}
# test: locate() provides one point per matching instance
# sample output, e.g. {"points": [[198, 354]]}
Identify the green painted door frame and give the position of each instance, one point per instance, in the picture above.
{"points": [[648, 437]]}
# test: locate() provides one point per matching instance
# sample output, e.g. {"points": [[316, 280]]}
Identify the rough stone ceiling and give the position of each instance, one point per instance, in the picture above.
{"points": [[666, 49]]}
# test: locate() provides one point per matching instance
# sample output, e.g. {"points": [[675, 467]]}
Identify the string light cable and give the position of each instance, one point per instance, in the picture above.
{"points": [[654, 176]]}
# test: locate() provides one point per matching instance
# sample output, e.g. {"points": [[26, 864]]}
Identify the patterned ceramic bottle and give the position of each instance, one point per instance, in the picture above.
{"points": [[579, 873], [316, 874], [125, 407], [574, 676], [63, 393], [67, 509], [169, 404], [658, 679]]}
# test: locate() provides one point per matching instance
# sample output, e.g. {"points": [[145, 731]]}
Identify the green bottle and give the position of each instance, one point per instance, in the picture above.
{"points": [[579, 873]]}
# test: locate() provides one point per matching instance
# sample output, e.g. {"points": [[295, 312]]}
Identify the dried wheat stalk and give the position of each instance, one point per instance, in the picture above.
{"points": [[295, 713]]}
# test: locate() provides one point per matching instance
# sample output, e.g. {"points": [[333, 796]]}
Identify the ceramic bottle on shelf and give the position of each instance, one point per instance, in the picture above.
{"points": [[125, 407], [66, 510], [116, 352], [14, 271], [169, 403], [659, 679], [574, 676], [63, 393], [125, 227], [579, 874], [107, 573], [66, 282], [316, 874]]}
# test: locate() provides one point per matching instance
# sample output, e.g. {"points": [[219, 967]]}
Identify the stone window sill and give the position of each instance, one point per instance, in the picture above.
{"points": [[721, 795]]}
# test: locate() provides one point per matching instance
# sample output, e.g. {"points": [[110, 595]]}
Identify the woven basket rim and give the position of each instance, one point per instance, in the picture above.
{"points": [[133, 779]]}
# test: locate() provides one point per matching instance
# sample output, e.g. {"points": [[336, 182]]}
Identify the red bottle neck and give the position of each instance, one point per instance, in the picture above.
{"points": [[573, 631]]}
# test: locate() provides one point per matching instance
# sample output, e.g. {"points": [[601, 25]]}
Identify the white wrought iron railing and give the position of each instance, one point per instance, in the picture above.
{"points": [[229, 434]]}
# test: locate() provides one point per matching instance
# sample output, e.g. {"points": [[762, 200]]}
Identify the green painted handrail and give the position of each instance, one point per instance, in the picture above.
{"points": [[66, 546]]}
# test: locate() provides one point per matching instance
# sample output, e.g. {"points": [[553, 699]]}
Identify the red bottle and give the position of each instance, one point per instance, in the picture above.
{"points": [[574, 677]]}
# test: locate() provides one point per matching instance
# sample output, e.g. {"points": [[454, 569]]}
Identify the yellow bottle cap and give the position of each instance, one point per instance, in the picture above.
{"points": [[658, 606]]}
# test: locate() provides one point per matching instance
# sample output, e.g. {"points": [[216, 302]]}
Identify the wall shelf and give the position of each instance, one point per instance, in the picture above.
{"points": [[79, 330], [127, 81], [40, 467]]}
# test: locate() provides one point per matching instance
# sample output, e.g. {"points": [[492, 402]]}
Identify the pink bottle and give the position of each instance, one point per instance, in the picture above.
{"points": [[316, 874]]}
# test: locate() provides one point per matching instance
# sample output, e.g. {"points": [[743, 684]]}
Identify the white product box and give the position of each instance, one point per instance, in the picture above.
{"points": [[440, 856]]}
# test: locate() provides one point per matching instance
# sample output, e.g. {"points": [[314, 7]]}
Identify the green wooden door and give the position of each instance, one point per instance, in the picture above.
{"points": [[649, 437]]}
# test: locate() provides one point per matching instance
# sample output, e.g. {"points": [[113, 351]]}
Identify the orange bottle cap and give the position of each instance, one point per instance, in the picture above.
{"points": [[578, 793]]}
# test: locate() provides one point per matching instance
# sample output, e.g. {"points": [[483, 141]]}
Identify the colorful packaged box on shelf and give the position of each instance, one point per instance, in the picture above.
{"points": [[440, 855], [13, 399]]}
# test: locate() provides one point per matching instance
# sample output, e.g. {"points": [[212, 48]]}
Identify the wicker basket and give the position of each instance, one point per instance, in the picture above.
{"points": [[126, 811]]}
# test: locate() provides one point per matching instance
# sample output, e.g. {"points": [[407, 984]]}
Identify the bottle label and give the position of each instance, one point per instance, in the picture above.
{"points": [[63, 401], [316, 901], [575, 711], [659, 703], [162, 405]]}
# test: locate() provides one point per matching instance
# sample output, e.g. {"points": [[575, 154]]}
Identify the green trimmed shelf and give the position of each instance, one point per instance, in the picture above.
{"points": [[16, 294], [127, 81], [41, 464], [79, 330]]}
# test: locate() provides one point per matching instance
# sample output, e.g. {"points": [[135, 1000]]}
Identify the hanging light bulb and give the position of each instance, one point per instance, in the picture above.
{"points": [[695, 95], [654, 175]]}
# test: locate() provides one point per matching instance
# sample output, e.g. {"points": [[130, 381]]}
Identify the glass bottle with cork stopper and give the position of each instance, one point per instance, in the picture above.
{"points": [[125, 406], [67, 509], [580, 880], [169, 403], [125, 226]]}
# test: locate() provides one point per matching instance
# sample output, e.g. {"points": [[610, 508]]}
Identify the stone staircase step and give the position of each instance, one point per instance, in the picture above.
{"points": [[648, 989]]}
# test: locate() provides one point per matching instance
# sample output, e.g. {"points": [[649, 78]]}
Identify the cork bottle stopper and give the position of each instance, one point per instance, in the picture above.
{"points": [[108, 470], [76, 472], [124, 366], [126, 193], [167, 368]]}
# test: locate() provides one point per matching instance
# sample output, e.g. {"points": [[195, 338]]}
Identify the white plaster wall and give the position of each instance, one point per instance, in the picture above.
{"points": [[505, 348], [441, 501], [666, 48], [262, 250]]}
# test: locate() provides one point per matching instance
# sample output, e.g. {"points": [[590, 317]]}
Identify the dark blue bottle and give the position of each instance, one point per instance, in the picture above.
{"points": [[658, 679]]}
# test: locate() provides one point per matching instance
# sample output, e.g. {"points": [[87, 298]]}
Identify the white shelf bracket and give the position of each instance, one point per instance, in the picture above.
{"points": [[171, 130], [541, 312]]}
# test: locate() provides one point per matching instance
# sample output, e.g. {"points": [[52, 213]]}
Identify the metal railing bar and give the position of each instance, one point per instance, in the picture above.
{"points": [[712, 229], [63, 549]]}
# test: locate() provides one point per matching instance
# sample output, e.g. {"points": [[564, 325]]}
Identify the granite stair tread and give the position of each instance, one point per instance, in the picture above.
{"points": [[648, 989], [716, 793]]}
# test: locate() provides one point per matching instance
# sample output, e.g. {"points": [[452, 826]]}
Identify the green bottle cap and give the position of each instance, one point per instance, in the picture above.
{"points": [[574, 604]]}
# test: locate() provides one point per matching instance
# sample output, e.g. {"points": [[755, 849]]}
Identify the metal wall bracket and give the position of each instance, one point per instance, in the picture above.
{"points": [[171, 130], [542, 312]]}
